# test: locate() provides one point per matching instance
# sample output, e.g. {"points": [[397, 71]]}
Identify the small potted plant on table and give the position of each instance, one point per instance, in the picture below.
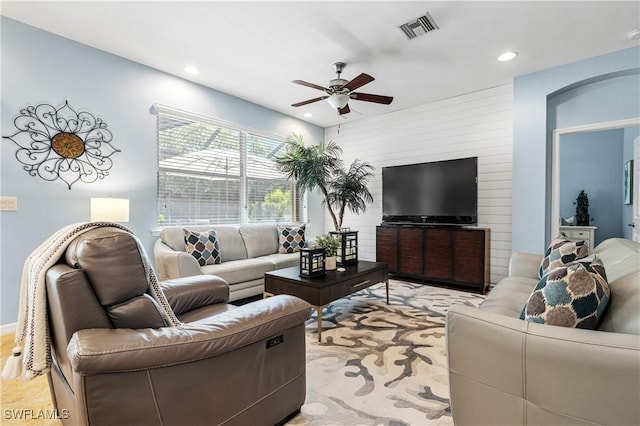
{"points": [[330, 245]]}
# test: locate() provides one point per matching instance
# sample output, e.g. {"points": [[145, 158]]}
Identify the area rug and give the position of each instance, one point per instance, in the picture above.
{"points": [[377, 364], [381, 364]]}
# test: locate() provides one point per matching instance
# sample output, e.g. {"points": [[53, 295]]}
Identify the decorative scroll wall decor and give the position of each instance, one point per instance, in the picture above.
{"points": [[63, 144]]}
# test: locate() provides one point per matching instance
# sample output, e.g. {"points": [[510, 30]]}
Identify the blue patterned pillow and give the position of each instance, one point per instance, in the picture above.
{"points": [[291, 238], [203, 246], [560, 252], [573, 295]]}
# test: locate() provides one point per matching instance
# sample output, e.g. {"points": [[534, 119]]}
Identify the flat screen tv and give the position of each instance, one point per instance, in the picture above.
{"points": [[442, 192]]}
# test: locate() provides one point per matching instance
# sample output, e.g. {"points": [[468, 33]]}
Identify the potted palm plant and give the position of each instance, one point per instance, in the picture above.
{"points": [[320, 167], [330, 244]]}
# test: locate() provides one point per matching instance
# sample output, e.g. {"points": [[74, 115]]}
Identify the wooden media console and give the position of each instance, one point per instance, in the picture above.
{"points": [[454, 256]]}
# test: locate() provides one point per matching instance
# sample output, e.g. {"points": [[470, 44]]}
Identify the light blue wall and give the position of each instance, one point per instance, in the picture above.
{"points": [[630, 134], [39, 67], [591, 162], [590, 101]]}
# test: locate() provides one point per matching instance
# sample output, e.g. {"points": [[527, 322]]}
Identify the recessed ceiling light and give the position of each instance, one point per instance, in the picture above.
{"points": [[308, 114], [190, 69], [507, 56], [634, 35]]}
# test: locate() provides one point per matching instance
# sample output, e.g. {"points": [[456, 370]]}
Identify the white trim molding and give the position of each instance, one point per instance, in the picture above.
{"points": [[555, 161], [8, 328]]}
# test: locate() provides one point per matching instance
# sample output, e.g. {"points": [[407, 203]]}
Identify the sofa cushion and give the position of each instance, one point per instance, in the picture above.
{"points": [[237, 271], [620, 256], [509, 296], [231, 243], [291, 238], [174, 236], [259, 240], [138, 312], [573, 295], [281, 261], [622, 315], [203, 246], [560, 252], [229, 240]]}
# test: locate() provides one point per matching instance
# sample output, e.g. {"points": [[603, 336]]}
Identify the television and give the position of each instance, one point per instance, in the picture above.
{"points": [[441, 192]]}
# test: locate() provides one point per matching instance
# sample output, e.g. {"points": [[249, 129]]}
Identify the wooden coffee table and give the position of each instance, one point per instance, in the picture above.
{"points": [[320, 291]]}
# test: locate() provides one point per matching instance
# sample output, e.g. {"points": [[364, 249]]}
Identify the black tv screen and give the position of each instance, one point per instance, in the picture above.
{"points": [[443, 192]]}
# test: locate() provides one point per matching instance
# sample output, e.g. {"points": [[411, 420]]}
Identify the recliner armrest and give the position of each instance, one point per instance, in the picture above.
{"points": [[189, 293], [100, 351]]}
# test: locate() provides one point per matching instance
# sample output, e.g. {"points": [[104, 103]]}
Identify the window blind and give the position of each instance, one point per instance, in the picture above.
{"points": [[213, 172]]}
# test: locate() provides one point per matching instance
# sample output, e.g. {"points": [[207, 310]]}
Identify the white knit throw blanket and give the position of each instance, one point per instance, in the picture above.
{"points": [[32, 326]]}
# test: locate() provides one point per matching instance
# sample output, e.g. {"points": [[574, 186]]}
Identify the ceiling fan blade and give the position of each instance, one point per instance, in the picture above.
{"points": [[313, 86], [359, 81], [344, 110], [367, 97], [309, 101]]}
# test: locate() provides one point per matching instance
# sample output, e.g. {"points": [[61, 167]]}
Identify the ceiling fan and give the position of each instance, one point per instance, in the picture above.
{"points": [[340, 91]]}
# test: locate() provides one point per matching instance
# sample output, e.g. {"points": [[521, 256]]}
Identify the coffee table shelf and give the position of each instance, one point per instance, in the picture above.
{"points": [[320, 291]]}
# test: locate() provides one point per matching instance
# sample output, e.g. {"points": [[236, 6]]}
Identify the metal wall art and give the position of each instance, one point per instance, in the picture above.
{"points": [[63, 144]]}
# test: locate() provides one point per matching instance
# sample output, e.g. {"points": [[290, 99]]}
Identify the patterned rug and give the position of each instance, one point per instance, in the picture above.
{"points": [[381, 364], [377, 364]]}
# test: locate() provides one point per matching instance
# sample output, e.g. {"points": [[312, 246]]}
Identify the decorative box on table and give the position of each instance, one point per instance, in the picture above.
{"points": [[312, 262], [348, 250]]}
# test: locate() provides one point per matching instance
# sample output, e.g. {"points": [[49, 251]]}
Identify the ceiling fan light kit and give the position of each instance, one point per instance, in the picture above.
{"points": [[341, 91], [338, 101]]}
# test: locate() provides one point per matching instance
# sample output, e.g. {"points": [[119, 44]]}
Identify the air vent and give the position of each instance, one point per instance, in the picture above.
{"points": [[419, 26]]}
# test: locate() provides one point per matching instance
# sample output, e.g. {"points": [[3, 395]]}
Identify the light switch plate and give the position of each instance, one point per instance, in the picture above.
{"points": [[8, 204]]}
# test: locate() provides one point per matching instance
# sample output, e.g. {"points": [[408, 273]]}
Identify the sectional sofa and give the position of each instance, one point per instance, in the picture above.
{"points": [[503, 370], [246, 252]]}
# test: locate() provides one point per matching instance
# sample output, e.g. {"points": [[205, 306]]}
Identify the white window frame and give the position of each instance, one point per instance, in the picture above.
{"points": [[297, 203]]}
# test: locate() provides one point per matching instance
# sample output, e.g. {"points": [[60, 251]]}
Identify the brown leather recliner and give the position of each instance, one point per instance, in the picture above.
{"points": [[115, 362]]}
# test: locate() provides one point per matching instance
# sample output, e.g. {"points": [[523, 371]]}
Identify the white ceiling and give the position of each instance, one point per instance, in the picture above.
{"points": [[253, 50]]}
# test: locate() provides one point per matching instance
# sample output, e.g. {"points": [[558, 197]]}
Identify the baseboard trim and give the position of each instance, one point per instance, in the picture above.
{"points": [[8, 328]]}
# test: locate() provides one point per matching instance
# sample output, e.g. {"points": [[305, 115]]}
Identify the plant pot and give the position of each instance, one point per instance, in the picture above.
{"points": [[330, 263], [583, 220]]}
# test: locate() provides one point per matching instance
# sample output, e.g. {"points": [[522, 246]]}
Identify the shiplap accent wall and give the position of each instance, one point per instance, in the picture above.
{"points": [[475, 124]]}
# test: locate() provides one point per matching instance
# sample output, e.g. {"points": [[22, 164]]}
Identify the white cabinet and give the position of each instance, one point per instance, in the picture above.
{"points": [[580, 233]]}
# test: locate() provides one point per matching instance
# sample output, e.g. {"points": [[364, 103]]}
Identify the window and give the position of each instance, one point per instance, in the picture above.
{"points": [[211, 172]]}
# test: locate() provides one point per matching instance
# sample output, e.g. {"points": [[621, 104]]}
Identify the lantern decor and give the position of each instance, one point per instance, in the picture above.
{"points": [[312, 262], [348, 250]]}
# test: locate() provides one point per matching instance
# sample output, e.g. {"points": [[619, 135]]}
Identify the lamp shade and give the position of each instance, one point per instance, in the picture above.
{"points": [[110, 209], [338, 101]]}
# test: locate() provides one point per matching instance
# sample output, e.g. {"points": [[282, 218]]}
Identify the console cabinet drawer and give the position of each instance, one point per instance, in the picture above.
{"points": [[457, 256], [410, 251], [387, 247], [438, 253], [580, 233]]}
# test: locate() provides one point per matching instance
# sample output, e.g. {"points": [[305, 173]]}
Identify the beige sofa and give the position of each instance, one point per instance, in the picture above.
{"points": [[247, 252], [506, 371]]}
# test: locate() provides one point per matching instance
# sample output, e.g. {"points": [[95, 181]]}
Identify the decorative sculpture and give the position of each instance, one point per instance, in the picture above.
{"points": [[63, 144]]}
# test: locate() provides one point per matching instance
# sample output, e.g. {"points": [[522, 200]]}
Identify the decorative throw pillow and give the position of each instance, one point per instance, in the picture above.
{"points": [[573, 295], [203, 246], [560, 252], [291, 238]]}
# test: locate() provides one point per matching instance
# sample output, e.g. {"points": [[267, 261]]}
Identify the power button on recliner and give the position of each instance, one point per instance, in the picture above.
{"points": [[275, 341]]}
